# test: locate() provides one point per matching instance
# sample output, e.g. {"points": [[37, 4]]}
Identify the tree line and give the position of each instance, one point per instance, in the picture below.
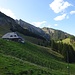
{"points": [[65, 49]]}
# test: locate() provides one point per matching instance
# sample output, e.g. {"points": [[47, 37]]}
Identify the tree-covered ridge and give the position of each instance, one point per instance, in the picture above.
{"points": [[65, 49]]}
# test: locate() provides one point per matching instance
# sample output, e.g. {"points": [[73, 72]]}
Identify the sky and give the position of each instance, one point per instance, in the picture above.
{"points": [[57, 14]]}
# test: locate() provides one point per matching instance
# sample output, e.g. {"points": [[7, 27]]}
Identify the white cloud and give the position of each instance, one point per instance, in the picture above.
{"points": [[59, 5], [72, 12], [55, 24], [8, 12], [59, 18], [38, 24]]}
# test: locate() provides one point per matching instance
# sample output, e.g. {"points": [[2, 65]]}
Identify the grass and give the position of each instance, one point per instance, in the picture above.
{"points": [[67, 40], [11, 65], [33, 39], [14, 66], [4, 29], [29, 58]]}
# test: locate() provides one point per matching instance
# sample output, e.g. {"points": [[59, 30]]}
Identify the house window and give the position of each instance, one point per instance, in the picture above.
{"points": [[14, 35], [11, 35]]}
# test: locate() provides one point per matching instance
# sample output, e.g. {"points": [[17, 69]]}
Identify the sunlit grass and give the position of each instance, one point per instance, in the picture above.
{"points": [[19, 58]]}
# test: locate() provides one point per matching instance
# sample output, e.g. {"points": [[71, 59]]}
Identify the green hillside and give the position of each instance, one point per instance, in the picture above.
{"points": [[4, 29], [30, 59], [68, 41]]}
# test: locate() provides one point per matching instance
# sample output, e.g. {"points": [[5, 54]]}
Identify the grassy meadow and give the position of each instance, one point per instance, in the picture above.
{"points": [[30, 59]]}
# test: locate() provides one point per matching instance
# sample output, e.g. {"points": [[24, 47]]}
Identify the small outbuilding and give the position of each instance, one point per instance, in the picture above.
{"points": [[13, 36]]}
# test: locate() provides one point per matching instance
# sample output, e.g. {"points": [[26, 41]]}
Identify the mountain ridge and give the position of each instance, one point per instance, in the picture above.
{"points": [[33, 29], [56, 34], [8, 24], [18, 59]]}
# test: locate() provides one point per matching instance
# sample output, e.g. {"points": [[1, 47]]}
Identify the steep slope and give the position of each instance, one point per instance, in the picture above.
{"points": [[5, 23], [8, 24], [16, 66], [30, 58], [33, 29], [56, 34]]}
